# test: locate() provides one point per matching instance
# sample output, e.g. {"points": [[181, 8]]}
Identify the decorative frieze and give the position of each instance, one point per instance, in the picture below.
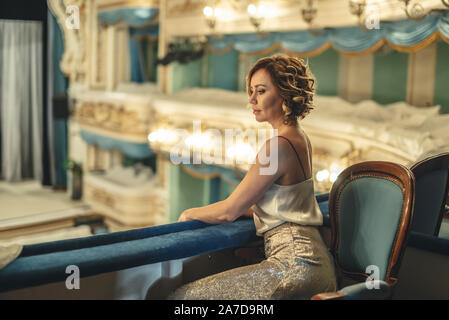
{"points": [[140, 205], [114, 118]]}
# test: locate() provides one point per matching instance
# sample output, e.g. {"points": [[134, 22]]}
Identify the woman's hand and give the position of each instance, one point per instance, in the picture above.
{"points": [[186, 215]]}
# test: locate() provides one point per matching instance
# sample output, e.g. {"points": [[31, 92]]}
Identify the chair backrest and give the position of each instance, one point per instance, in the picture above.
{"points": [[432, 185], [371, 209]]}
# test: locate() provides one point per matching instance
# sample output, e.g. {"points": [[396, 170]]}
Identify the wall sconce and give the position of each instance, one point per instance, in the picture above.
{"points": [[309, 12], [258, 13], [211, 14], [357, 8], [415, 11]]}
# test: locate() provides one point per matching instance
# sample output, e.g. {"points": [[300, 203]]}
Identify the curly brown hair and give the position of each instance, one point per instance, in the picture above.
{"points": [[294, 82]]}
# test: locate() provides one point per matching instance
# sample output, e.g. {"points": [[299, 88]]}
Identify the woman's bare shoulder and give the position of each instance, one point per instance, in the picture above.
{"points": [[278, 145]]}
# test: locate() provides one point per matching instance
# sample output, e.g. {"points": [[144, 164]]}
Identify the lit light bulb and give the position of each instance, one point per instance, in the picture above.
{"points": [[262, 10], [333, 177], [271, 11], [208, 11], [163, 136], [322, 175], [252, 10], [217, 12], [241, 151], [198, 141]]}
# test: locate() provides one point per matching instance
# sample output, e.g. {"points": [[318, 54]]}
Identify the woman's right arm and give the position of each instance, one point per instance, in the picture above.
{"points": [[256, 182], [248, 213]]}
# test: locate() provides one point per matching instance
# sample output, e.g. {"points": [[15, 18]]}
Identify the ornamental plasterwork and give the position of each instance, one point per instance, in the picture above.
{"points": [[74, 62], [177, 8], [114, 118], [128, 210], [181, 7], [102, 197]]}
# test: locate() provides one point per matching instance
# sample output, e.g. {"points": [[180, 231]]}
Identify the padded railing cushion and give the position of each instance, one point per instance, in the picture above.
{"points": [[109, 238], [50, 267], [429, 196], [368, 215]]}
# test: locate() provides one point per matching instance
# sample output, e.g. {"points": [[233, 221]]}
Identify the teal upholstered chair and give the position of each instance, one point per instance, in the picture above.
{"points": [[370, 208], [432, 184]]}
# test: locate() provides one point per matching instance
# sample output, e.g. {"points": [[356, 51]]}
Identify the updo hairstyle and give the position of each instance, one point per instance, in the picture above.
{"points": [[294, 82]]}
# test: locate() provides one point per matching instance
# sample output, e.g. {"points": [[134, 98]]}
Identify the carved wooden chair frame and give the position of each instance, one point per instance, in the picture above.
{"points": [[396, 173], [436, 162]]}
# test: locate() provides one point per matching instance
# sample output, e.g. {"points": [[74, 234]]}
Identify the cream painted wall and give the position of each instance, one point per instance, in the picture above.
{"points": [[330, 13], [421, 76], [355, 81]]}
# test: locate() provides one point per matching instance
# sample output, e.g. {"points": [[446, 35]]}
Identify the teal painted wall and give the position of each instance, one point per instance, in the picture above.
{"points": [[187, 191], [325, 69], [390, 77], [226, 188], [187, 75], [222, 70], [442, 77]]}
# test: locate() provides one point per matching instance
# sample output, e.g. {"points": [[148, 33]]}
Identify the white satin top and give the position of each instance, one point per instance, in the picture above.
{"points": [[292, 203]]}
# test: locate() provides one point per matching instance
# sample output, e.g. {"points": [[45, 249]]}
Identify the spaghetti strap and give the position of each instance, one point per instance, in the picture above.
{"points": [[303, 171]]}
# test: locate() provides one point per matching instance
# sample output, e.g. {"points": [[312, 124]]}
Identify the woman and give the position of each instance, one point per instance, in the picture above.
{"points": [[283, 203]]}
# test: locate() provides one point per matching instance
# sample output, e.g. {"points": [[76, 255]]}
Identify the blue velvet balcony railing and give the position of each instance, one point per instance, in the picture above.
{"points": [[44, 263]]}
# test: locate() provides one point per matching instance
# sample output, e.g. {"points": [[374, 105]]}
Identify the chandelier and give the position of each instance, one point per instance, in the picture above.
{"points": [[212, 14], [258, 12]]}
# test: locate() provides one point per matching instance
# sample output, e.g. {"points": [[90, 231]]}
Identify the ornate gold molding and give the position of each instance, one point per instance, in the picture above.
{"points": [[102, 197], [74, 62], [115, 118], [116, 4], [189, 6]]}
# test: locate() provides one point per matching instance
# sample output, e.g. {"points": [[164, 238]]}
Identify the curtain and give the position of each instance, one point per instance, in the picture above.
{"points": [[143, 53], [21, 100], [405, 35], [56, 96], [133, 17]]}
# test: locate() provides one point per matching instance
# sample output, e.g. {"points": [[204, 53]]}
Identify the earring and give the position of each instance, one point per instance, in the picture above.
{"points": [[287, 112]]}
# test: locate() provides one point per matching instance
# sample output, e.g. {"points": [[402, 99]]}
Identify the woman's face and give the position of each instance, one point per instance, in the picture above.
{"points": [[264, 98]]}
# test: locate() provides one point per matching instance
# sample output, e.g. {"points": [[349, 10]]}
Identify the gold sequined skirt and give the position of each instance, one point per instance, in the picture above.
{"points": [[297, 266]]}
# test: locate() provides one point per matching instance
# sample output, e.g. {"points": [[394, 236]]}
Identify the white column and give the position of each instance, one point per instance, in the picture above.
{"points": [[111, 58], [355, 78], [95, 47], [117, 158], [421, 76], [123, 71]]}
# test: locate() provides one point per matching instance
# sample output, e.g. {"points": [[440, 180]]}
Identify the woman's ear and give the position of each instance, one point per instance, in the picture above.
{"points": [[287, 110]]}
